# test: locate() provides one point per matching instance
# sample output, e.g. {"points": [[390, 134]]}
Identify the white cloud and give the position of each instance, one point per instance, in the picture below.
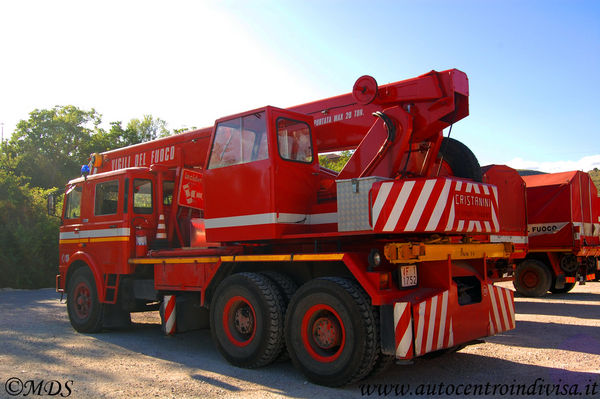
{"points": [[586, 164]]}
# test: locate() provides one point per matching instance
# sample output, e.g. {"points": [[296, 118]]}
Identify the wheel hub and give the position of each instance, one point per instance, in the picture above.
{"points": [[243, 320], [530, 279], [326, 333], [82, 300]]}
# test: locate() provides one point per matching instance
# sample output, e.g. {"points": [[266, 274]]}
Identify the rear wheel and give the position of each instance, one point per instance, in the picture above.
{"points": [[84, 309], [331, 331], [568, 287], [532, 278], [247, 320], [457, 160]]}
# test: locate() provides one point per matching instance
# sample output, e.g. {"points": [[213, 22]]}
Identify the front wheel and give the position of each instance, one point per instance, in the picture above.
{"points": [[85, 311], [331, 332]]}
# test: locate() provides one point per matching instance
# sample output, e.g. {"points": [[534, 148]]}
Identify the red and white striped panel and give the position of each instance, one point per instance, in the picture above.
{"points": [[403, 330], [168, 325], [502, 314], [435, 205], [433, 326]]}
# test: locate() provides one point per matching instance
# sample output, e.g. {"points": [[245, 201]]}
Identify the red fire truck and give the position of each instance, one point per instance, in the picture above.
{"points": [[563, 212], [237, 227]]}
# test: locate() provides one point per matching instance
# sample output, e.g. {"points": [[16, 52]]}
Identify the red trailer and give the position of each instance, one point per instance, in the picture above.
{"points": [[237, 227], [563, 212]]}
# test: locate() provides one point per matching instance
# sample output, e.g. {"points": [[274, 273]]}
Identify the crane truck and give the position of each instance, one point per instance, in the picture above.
{"points": [[238, 228]]}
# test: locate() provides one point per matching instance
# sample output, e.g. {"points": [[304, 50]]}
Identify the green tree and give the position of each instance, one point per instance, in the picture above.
{"points": [[146, 129], [337, 162], [52, 144], [29, 237]]}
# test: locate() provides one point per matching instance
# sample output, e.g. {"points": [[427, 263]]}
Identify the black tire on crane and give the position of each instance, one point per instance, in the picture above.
{"points": [[532, 278], [246, 318], [331, 331], [84, 309], [383, 361], [460, 159], [287, 288], [568, 287]]}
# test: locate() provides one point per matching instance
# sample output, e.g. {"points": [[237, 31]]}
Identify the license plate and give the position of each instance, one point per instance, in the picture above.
{"points": [[408, 276]]}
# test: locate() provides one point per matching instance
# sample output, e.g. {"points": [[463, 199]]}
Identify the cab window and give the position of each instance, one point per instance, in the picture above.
{"points": [[294, 141], [142, 196], [106, 198], [240, 140], [73, 203]]}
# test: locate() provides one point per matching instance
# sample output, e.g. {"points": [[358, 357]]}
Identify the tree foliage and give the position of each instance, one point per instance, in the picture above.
{"points": [[335, 162], [44, 152], [29, 237]]}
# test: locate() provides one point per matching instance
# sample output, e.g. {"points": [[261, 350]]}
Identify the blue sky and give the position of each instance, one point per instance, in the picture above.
{"points": [[532, 65]]}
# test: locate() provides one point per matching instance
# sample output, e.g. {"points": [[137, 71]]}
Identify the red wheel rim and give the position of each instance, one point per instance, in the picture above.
{"points": [[323, 333], [83, 300], [530, 279], [239, 321]]}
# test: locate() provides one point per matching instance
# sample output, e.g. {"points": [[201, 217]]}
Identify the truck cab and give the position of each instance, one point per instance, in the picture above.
{"points": [[105, 217]]}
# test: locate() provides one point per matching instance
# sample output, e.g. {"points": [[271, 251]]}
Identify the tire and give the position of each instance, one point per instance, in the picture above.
{"points": [[287, 287], [568, 287], [246, 316], [331, 332], [532, 278], [84, 309], [459, 159]]}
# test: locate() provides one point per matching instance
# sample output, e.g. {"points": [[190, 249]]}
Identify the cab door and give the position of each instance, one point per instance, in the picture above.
{"points": [[295, 175], [238, 180]]}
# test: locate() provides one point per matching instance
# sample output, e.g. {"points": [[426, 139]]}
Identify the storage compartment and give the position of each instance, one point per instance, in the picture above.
{"points": [[353, 203]]}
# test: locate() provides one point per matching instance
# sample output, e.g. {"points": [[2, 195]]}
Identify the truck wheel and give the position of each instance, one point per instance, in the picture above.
{"points": [[532, 278], [287, 288], [458, 160], [247, 317], [84, 309], [568, 287], [330, 331]]}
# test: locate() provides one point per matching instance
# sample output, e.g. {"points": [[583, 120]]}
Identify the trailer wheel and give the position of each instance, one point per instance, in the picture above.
{"points": [[331, 332], [532, 278], [84, 309], [458, 160], [568, 287], [247, 317]]}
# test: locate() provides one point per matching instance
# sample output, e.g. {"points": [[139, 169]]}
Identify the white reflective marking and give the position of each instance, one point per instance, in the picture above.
{"points": [[439, 207], [399, 206], [384, 192], [431, 326], [440, 342], [421, 202], [420, 327]]}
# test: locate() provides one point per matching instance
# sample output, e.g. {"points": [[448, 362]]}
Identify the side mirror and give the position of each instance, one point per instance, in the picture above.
{"points": [[51, 205]]}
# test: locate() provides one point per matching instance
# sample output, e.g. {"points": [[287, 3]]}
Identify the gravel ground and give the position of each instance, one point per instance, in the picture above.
{"points": [[556, 345]]}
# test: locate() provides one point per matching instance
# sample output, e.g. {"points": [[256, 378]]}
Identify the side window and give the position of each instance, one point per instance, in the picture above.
{"points": [[142, 196], [73, 203], [168, 192], [240, 140], [294, 141], [107, 198]]}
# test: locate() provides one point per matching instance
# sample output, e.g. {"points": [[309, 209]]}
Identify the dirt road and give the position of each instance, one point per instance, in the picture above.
{"points": [[555, 349]]}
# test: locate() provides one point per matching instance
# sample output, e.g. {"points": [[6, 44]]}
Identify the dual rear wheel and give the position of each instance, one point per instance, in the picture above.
{"points": [[329, 327]]}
